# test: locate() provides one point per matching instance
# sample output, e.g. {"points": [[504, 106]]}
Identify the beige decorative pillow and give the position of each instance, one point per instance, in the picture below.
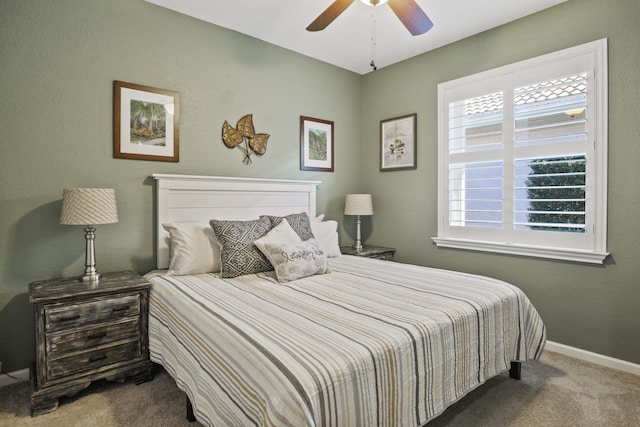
{"points": [[281, 234], [296, 260], [194, 248]]}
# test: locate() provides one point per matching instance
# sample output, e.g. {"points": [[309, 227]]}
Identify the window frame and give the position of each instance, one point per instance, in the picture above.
{"points": [[594, 249]]}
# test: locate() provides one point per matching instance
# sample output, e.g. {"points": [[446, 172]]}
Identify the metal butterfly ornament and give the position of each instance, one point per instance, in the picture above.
{"points": [[245, 132]]}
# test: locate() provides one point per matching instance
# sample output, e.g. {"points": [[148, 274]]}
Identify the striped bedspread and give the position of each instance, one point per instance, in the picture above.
{"points": [[373, 343]]}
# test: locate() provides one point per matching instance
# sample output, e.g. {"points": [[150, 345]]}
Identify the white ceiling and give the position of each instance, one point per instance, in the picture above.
{"points": [[347, 42]]}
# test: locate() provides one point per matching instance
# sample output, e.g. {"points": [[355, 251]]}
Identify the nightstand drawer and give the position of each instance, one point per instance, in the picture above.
{"points": [[87, 338], [65, 316], [90, 361], [384, 256]]}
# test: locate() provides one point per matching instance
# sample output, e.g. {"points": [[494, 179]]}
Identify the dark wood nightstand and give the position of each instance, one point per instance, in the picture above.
{"points": [[370, 251], [86, 331]]}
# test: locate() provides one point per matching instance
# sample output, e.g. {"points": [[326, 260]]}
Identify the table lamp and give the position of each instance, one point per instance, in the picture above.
{"points": [[88, 207], [358, 204]]}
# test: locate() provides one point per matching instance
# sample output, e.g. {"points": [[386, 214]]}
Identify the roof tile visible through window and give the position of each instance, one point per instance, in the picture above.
{"points": [[572, 85]]}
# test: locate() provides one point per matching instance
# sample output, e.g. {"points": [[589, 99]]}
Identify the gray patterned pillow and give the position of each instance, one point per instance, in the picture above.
{"points": [[296, 260], [298, 221], [238, 255]]}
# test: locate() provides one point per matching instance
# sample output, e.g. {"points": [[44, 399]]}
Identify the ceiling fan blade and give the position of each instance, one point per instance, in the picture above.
{"points": [[329, 15], [410, 14]]}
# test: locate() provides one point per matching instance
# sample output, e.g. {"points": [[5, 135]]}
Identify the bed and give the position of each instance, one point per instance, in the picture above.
{"points": [[366, 343]]}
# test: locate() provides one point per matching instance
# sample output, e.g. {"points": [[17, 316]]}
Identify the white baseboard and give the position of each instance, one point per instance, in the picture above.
{"points": [[598, 359], [18, 376]]}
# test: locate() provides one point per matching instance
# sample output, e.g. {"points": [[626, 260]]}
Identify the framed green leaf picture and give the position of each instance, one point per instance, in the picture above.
{"points": [[316, 144]]}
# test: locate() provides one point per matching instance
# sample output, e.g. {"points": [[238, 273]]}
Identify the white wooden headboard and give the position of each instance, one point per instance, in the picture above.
{"points": [[201, 198]]}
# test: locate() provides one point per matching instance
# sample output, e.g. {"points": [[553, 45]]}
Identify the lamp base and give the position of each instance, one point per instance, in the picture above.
{"points": [[90, 277], [90, 273], [357, 245]]}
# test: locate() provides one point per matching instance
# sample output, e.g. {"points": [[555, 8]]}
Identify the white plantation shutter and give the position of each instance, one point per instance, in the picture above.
{"points": [[551, 194], [522, 157]]}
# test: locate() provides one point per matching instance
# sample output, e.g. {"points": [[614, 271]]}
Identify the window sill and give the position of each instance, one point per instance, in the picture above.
{"points": [[522, 250]]}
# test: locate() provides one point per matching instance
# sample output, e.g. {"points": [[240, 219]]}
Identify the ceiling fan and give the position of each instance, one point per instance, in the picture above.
{"points": [[408, 11]]}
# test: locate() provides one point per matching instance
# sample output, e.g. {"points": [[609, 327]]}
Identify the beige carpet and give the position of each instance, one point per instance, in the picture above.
{"points": [[556, 391]]}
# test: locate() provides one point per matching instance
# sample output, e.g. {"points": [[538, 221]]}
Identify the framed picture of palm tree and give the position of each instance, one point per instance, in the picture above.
{"points": [[316, 144], [146, 123]]}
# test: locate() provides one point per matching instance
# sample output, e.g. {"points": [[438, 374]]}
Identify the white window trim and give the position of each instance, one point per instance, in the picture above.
{"points": [[597, 51]]}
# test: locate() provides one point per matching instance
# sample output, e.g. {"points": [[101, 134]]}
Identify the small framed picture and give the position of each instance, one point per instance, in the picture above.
{"points": [[145, 123], [316, 144], [398, 143]]}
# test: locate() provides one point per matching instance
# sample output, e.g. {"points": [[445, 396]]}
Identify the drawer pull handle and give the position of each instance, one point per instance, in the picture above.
{"points": [[96, 336], [97, 358], [121, 308], [68, 318]]}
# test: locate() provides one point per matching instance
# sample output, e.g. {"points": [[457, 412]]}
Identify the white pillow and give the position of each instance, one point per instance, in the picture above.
{"points": [[281, 234], [326, 234], [318, 218], [194, 248], [296, 260]]}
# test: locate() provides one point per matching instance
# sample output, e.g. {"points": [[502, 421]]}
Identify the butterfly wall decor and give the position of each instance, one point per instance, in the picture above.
{"points": [[245, 133]]}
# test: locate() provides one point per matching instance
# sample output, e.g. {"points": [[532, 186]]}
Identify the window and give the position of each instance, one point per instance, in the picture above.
{"points": [[523, 156]]}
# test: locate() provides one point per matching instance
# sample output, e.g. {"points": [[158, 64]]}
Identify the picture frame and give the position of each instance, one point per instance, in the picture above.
{"points": [[146, 123], [398, 143], [316, 144]]}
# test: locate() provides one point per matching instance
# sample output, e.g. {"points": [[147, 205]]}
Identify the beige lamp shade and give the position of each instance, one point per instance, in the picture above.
{"points": [[358, 204], [88, 206]]}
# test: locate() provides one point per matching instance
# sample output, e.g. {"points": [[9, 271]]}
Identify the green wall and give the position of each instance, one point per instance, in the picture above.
{"points": [[592, 307], [58, 62]]}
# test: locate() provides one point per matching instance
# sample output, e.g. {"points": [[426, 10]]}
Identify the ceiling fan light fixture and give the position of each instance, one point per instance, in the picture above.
{"points": [[408, 12], [374, 2]]}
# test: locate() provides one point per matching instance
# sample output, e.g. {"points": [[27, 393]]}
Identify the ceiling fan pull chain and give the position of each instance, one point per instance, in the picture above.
{"points": [[373, 39]]}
